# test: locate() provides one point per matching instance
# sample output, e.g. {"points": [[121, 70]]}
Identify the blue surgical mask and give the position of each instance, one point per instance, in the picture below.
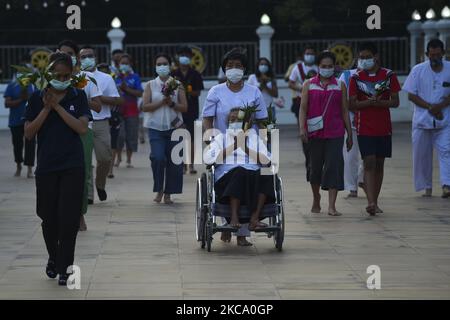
{"points": [[163, 71], [184, 60], [87, 63], [366, 64], [263, 68], [326, 73], [309, 58], [60, 85], [125, 68]]}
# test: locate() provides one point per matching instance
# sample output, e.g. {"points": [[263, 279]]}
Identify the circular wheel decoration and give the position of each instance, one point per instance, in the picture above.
{"points": [[39, 58], [344, 55]]}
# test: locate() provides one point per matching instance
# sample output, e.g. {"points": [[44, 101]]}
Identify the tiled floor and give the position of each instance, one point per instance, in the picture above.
{"points": [[136, 249]]}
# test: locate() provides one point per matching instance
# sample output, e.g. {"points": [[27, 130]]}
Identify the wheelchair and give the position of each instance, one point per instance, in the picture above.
{"points": [[208, 211]]}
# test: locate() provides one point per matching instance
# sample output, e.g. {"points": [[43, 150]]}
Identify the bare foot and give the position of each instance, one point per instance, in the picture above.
{"points": [[83, 226], [371, 209], [378, 210], [334, 213], [316, 205], [167, 199], [158, 197], [18, 171], [226, 236], [235, 222], [117, 163]]}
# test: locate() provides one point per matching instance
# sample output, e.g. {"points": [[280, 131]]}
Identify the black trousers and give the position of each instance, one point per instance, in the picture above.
{"points": [[306, 152], [18, 144], [59, 200]]}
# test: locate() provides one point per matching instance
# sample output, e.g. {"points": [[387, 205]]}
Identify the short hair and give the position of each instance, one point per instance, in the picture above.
{"points": [[126, 55], [369, 46], [435, 43], [69, 43], [325, 55], [87, 46], [184, 49], [60, 58], [116, 51], [308, 47], [164, 55], [235, 54]]}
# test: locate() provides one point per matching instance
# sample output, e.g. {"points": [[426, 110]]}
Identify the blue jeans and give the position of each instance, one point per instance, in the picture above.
{"points": [[167, 176]]}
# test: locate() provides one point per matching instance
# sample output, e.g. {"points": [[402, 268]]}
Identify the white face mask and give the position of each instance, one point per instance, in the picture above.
{"points": [[87, 63], [163, 71], [326, 73], [263, 68], [234, 75], [309, 58], [234, 127], [366, 64]]}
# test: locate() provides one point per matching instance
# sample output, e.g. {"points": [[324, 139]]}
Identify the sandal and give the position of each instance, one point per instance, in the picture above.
{"points": [[167, 199]]}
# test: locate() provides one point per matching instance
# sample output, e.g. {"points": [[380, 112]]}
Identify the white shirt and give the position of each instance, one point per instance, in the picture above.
{"points": [[253, 80], [108, 88], [428, 85], [221, 100], [163, 118], [297, 77], [238, 158], [91, 89], [345, 78]]}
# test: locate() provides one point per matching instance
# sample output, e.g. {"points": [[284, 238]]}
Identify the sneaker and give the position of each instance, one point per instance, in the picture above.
{"points": [[102, 194], [445, 191], [63, 279]]}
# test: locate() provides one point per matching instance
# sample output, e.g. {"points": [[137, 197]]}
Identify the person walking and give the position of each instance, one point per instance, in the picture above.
{"points": [[58, 115], [163, 107], [100, 127], [373, 91], [16, 97], [324, 110], [428, 87]]}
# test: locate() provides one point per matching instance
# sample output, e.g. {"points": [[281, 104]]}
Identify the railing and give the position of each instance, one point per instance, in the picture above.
{"points": [[14, 54], [393, 51], [143, 55]]}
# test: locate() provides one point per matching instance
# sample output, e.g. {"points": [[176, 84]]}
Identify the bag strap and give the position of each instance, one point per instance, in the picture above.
{"points": [[328, 103], [302, 72]]}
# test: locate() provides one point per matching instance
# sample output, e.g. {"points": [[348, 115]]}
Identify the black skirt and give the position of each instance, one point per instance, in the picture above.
{"points": [[245, 185]]}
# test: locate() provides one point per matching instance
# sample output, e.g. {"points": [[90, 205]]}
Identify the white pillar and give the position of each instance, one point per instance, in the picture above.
{"points": [[116, 36], [265, 33], [443, 27], [415, 30], [429, 27]]}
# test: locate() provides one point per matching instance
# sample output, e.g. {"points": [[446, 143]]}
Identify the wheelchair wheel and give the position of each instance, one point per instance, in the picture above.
{"points": [[279, 234], [201, 210], [208, 235]]}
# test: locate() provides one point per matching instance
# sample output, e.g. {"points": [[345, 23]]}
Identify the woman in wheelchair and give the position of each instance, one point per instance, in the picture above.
{"points": [[238, 157]]}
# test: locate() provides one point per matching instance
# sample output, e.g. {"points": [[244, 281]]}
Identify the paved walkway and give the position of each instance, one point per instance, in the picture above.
{"points": [[136, 249]]}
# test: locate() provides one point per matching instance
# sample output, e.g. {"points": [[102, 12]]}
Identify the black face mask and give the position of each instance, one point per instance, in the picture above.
{"points": [[436, 62]]}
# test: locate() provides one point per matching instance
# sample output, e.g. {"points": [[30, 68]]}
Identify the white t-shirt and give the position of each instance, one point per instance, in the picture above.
{"points": [[163, 118], [108, 88], [345, 78], [297, 77], [253, 80], [428, 85], [238, 158], [221, 100], [91, 89]]}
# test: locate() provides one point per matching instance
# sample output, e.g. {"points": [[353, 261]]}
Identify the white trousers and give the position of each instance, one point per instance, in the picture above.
{"points": [[423, 141], [353, 166]]}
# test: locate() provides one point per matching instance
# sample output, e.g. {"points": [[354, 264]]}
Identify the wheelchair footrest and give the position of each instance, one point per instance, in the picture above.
{"points": [[267, 229], [225, 228]]}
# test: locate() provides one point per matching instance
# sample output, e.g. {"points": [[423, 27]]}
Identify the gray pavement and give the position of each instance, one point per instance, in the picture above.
{"points": [[136, 249]]}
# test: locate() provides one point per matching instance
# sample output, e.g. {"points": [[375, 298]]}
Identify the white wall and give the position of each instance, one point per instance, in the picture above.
{"points": [[284, 116]]}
